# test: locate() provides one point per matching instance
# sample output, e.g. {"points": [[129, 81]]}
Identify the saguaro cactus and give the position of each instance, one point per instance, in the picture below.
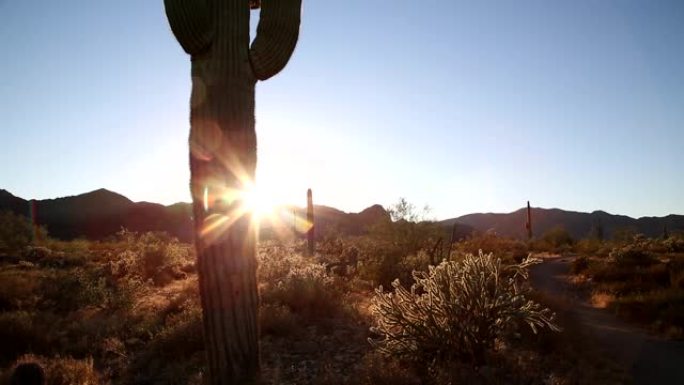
{"points": [[310, 222], [528, 225], [225, 69]]}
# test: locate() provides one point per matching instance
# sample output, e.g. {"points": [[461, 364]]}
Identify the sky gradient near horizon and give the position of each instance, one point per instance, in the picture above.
{"points": [[466, 106]]}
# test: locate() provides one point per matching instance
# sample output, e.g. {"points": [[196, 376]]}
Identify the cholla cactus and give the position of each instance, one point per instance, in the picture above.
{"points": [[456, 310], [225, 69]]}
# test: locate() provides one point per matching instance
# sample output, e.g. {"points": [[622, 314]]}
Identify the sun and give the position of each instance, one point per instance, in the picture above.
{"points": [[258, 201]]}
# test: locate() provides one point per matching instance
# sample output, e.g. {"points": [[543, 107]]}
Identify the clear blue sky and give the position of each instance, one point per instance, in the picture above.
{"points": [[470, 106]]}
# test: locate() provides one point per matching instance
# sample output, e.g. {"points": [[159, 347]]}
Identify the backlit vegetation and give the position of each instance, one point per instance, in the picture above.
{"points": [[638, 278], [126, 310]]}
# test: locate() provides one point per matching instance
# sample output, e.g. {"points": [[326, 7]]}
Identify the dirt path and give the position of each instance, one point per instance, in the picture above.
{"points": [[651, 360]]}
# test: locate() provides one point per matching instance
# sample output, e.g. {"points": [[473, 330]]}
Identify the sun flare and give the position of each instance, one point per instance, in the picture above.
{"points": [[259, 202]]}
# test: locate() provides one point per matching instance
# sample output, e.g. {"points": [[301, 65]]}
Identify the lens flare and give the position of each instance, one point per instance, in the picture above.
{"points": [[258, 202]]}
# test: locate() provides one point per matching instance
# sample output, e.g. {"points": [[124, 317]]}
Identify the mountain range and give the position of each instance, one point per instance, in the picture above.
{"points": [[101, 213]]}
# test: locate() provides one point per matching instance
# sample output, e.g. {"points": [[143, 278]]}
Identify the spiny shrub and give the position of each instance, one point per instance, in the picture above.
{"points": [[674, 244], [557, 240], [174, 354], [456, 310], [65, 291], [16, 232], [150, 256], [307, 291], [632, 256]]}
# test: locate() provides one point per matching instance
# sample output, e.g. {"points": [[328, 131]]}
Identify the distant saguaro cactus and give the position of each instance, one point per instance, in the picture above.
{"points": [[225, 69], [310, 221], [528, 225]]}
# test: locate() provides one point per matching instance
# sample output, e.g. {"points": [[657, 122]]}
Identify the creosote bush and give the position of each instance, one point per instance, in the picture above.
{"points": [[150, 256], [510, 250], [405, 233], [456, 310], [299, 284]]}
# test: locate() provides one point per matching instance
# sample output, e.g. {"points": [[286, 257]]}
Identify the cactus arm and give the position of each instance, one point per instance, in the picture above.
{"points": [[191, 24], [276, 37]]}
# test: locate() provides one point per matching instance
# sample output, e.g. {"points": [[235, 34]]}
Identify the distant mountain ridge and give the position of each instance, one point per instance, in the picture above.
{"points": [[101, 213], [578, 224]]}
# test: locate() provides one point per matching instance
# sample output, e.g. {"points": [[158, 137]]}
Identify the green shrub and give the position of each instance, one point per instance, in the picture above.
{"points": [[674, 244], [407, 232], [151, 256], [307, 291], [382, 263], [70, 290], [624, 234], [73, 290], [18, 289], [456, 310], [632, 255], [557, 240], [17, 232], [589, 246], [508, 249]]}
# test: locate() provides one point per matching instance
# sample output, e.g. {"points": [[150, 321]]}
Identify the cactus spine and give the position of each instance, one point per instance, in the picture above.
{"points": [[528, 225], [310, 221], [224, 71]]}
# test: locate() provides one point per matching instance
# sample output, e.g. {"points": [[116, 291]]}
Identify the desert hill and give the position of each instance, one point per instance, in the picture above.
{"points": [[578, 224], [100, 213]]}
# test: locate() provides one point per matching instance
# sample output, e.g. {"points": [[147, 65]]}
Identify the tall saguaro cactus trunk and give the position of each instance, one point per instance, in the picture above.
{"points": [[225, 69], [310, 221]]}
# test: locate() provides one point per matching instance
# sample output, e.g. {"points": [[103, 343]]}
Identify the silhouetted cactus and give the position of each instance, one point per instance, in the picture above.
{"points": [[528, 225], [310, 222], [225, 69]]}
